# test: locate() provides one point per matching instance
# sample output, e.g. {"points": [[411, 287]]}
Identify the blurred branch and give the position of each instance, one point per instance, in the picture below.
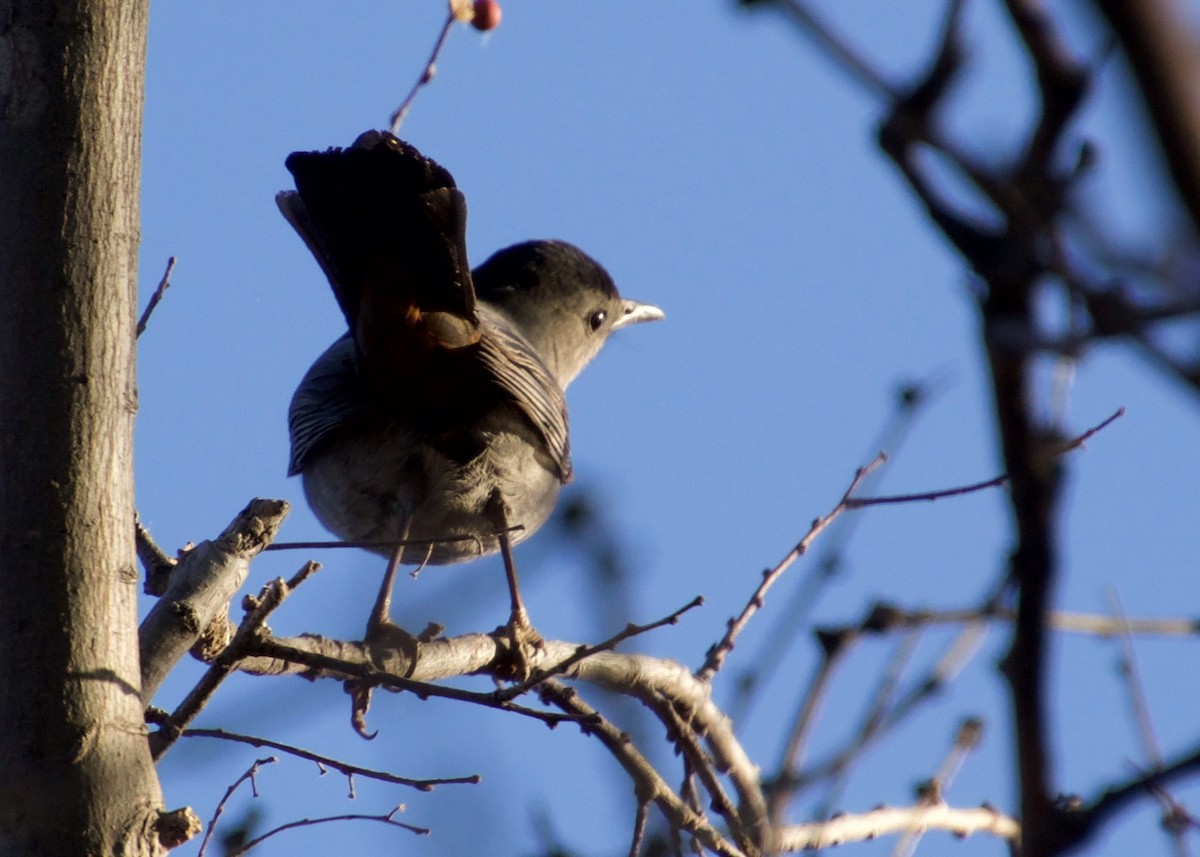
{"points": [[887, 820], [1082, 822], [966, 739], [835, 643], [1160, 45], [1011, 260], [1171, 809], [1034, 198]]}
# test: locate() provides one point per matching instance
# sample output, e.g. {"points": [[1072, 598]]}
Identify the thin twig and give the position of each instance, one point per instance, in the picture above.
{"points": [[1145, 727], [426, 74], [250, 775], [911, 399], [308, 822], [875, 720], [1133, 684], [960, 650], [719, 651], [839, 51], [995, 482], [630, 630], [1117, 797], [797, 741], [372, 545], [639, 828], [324, 762]]}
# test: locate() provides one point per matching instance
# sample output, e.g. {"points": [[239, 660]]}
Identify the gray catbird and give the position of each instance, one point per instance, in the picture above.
{"points": [[438, 419]]}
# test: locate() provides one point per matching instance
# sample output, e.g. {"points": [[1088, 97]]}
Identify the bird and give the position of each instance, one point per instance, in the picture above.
{"points": [[435, 429]]}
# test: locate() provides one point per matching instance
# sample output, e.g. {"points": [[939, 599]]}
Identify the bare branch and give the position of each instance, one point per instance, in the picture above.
{"points": [[258, 609], [837, 48], [1080, 824], [200, 588], [644, 678], [911, 398], [681, 732]]}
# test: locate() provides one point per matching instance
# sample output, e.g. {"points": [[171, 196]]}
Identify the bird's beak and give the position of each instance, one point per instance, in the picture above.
{"points": [[633, 312]]}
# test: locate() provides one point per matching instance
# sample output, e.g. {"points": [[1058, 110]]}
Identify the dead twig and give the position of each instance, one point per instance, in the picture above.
{"points": [[163, 284]]}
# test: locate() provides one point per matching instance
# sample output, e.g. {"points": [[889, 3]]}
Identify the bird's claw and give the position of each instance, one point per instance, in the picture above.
{"points": [[526, 646]]}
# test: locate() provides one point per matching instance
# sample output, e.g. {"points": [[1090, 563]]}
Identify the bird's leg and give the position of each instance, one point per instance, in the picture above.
{"points": [[384, 634], [525, 640], [380, 627]]}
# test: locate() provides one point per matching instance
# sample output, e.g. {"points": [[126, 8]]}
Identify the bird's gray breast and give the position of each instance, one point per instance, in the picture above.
{"points": [[369, 477]]}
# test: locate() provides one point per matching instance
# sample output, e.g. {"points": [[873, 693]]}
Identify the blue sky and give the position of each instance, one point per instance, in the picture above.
{"points": [[722, 169]]}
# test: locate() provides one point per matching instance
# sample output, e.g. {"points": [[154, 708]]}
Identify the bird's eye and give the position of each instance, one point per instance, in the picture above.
{"points": [[597, 319]]}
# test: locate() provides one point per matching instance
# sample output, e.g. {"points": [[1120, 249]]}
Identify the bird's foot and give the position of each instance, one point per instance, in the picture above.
{"points": [[526, 645], [360, 701], [390, 648], [387, 641]]}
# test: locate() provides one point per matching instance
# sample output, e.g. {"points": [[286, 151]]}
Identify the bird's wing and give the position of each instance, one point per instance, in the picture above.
{"points": [[330, 395], [517, 369]]}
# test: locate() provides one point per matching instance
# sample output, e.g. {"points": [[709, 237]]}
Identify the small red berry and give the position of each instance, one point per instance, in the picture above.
{"points": [[487, 15]]}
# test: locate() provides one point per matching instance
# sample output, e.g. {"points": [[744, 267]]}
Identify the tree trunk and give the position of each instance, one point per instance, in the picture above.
{"points": [[75, 772]]}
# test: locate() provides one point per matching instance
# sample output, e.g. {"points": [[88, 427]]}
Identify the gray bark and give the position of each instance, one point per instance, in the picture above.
{"points": [[75, 770]]}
